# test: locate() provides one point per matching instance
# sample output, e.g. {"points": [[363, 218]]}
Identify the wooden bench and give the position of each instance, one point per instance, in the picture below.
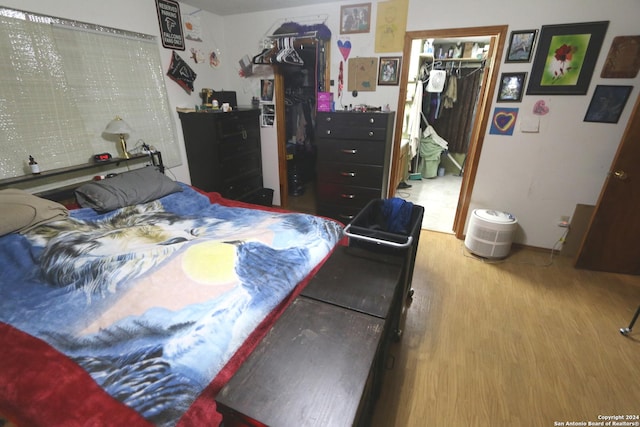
{"points": [[321, 364]]}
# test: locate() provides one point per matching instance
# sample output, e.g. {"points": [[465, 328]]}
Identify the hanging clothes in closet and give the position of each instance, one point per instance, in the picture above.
{"points": [[452, 111]]}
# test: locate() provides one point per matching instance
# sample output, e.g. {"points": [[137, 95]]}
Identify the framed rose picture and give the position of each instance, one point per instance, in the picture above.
{"points": [[355, 18], [565, 58], [607, 103], [511, 87], [389, 70], [521, 45]]}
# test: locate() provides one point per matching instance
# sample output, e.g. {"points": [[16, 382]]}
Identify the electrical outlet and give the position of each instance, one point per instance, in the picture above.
{"points": [[564, 221]]}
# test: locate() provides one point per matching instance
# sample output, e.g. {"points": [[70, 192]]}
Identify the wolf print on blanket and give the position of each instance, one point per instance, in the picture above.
{"points": [[152, 300]]}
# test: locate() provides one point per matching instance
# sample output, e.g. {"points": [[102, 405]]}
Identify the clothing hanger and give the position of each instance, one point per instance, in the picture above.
{"points": [[264, 57], [289, 55]]}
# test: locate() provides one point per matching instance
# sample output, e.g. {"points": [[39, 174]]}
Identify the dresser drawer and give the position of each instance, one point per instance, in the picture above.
{"points": [[343, 214], [240, 165], [239, 186], [349, 132], [237, 146], [350, 174], [353, 151], [353, 119], [346, 195], [236, 124]]}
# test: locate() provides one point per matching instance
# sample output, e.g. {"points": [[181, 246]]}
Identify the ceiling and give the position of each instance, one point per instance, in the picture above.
{"points": [[235, 7]]}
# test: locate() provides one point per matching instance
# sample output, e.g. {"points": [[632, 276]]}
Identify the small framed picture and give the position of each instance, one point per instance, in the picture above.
{"points": [[521, 45], [355, 18], [511, 87], [389, 70], [607, 103], [266, 90]]}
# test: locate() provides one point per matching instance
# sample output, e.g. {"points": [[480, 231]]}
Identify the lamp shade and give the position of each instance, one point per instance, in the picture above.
{"points": [[118, 126]]}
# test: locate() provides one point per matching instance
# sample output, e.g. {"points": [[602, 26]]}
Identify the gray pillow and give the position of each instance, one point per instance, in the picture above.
{"points": [[125, 189]]}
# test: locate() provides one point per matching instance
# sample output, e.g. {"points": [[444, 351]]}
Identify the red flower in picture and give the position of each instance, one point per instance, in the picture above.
{"points": [[564, 53], [563, 56]]}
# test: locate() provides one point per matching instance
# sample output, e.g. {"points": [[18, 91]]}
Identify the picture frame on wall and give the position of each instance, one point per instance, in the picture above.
{"points": [[607, 103], [355, 18], [511, 87], [565, 58], [521, 45], [389, 70], [266, 90]]}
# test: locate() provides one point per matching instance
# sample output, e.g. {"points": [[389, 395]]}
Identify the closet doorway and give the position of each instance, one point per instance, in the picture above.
{"points": [[295, 99], [478, 116]]}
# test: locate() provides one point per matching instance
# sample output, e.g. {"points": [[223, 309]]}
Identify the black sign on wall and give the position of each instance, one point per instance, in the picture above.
{"points": [[170, 24]]}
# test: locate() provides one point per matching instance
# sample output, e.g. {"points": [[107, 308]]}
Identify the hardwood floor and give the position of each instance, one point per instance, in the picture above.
{"points": [[513, 343]]}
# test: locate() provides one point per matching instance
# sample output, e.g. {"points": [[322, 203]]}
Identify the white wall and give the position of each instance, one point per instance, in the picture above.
{"points": [[140, 16], [537, 177]]}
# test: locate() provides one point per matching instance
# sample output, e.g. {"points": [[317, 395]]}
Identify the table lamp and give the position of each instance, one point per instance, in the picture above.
{"points": [[119, 127]]}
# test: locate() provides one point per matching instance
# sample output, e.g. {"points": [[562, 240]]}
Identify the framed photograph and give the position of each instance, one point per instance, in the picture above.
{"points": [[511, 87], [355, 18], [389, 70], [521, 45], [565, 58], [607, 103], [266, 90]]}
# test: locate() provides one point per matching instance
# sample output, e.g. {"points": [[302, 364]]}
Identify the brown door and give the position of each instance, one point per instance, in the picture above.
{"points": [[612, 241]]}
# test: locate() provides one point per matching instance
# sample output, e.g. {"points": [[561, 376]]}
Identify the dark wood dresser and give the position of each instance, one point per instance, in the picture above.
{"points": [[224, 152], [354, 159]]}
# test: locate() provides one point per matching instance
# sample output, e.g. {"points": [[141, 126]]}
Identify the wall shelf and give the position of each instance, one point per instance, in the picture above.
{"points": [[156, 158]]}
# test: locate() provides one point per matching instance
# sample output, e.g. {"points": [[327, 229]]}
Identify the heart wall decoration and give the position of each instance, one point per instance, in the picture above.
{"points": [[504, 121], [344, 48]]}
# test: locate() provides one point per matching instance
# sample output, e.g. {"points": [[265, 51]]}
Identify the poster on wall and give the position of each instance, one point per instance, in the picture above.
{"points": [[192, 29], [362, 74], [170, 24], [390, 25], [503, 121]]}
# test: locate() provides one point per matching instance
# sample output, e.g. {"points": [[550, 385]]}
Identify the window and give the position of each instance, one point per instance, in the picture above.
{"points": [[63, 81]]}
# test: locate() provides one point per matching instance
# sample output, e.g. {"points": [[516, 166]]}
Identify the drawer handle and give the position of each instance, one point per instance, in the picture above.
{"points": [[244, 134], [328, 132], [348, 196], [328, 119], [351, 174], [351, 151], [371, 133], [349, 217], [372, 120]]}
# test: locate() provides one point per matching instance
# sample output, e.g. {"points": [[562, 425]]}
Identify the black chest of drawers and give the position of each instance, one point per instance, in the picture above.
{"points": [[354, 157], [224, 152]]}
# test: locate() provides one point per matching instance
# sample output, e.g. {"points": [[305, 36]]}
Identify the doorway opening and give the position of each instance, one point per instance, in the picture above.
{"points": [[485, 66], [296, 89]]}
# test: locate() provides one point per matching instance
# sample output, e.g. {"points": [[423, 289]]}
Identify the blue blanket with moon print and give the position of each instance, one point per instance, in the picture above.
{"points": [[152, 300]]}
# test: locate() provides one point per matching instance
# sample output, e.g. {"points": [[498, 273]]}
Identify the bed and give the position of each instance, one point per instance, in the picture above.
{"points": [[138, 315]]}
